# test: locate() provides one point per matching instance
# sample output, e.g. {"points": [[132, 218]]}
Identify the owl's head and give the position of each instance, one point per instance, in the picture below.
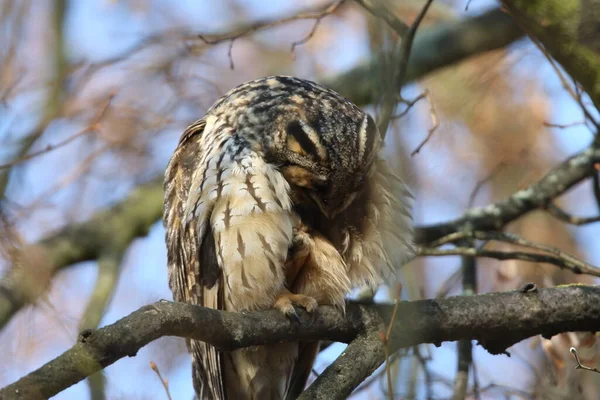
{"points": [[329, 158], [323, 143]]}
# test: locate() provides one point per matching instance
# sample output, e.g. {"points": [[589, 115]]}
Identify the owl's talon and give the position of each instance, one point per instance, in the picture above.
{"points": [[313, 319], [285, 304], [294, 315]]}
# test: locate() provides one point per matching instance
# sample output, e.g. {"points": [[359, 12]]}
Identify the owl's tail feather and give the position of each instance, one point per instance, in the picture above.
{"points": [[199, 379], [261, 372], [307, 353]]}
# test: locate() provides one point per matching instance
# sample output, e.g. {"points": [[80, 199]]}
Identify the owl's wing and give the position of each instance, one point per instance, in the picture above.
{"points": [[229, 225], [192, 257]]}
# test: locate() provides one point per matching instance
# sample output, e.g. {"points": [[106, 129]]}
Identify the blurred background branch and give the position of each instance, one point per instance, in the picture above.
{"points": [[569, 31], [54, 97], [108, 232]]}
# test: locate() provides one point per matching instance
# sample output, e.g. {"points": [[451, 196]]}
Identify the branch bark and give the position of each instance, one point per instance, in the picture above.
{"points": [[356, 363], [496, 320]]}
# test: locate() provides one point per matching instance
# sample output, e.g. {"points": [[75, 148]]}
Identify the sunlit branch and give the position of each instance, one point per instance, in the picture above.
{"points": [[496, 321]]}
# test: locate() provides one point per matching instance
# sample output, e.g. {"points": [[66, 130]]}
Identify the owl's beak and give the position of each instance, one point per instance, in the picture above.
{"points": [[329, 210], [340, 207], [319, 202]]}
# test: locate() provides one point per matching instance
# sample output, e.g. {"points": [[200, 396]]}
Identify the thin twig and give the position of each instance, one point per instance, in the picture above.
{"points": [[388, 372], [566, 85], [373, 378], [434, 125], [407, 42], [556, 257], [426, 373], [562, 215], [564, 260], [483, 181], [93, 126], [164, 382], [410, 103], [560, 75], [515, 239], [398, 78], [578, 268], [573, 351], [508, 391], [464, 348], [449, 284], [76, 174], [476, 391], [396, 302], [563, 126], [318, 16], [386, 341], [450, 238], [318, 19], [229, 54], [596, 184], [379, 10]]}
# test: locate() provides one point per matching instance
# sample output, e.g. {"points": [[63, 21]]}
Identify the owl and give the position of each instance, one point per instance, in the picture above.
{"points": [[278, 197]]}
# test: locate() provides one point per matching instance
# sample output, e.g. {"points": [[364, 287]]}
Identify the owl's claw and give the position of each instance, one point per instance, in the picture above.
{"points": [[285, 304], [294, 315]]}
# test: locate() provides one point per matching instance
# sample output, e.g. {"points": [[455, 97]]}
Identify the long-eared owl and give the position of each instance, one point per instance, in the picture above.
{"points": [[278, 197]]}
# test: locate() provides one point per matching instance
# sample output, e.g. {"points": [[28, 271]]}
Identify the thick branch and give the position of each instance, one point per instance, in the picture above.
{"points": [[356, 363], [496, 320]]}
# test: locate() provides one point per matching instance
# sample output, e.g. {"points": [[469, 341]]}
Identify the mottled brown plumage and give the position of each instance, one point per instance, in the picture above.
{"points": [[278, 197]]}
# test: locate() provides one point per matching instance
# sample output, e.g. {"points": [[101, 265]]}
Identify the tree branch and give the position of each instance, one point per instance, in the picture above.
{"points": [[380, 10], [562, 215], [537, 195], [356, 363], [556, 256], [496, 320], [513, 255]]}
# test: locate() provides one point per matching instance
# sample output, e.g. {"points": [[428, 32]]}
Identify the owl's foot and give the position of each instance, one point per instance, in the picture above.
{"points": [[286, 300]]}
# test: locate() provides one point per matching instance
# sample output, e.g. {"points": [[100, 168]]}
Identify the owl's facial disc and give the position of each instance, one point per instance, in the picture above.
{"points": [[330, 196], [332, 184]]}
